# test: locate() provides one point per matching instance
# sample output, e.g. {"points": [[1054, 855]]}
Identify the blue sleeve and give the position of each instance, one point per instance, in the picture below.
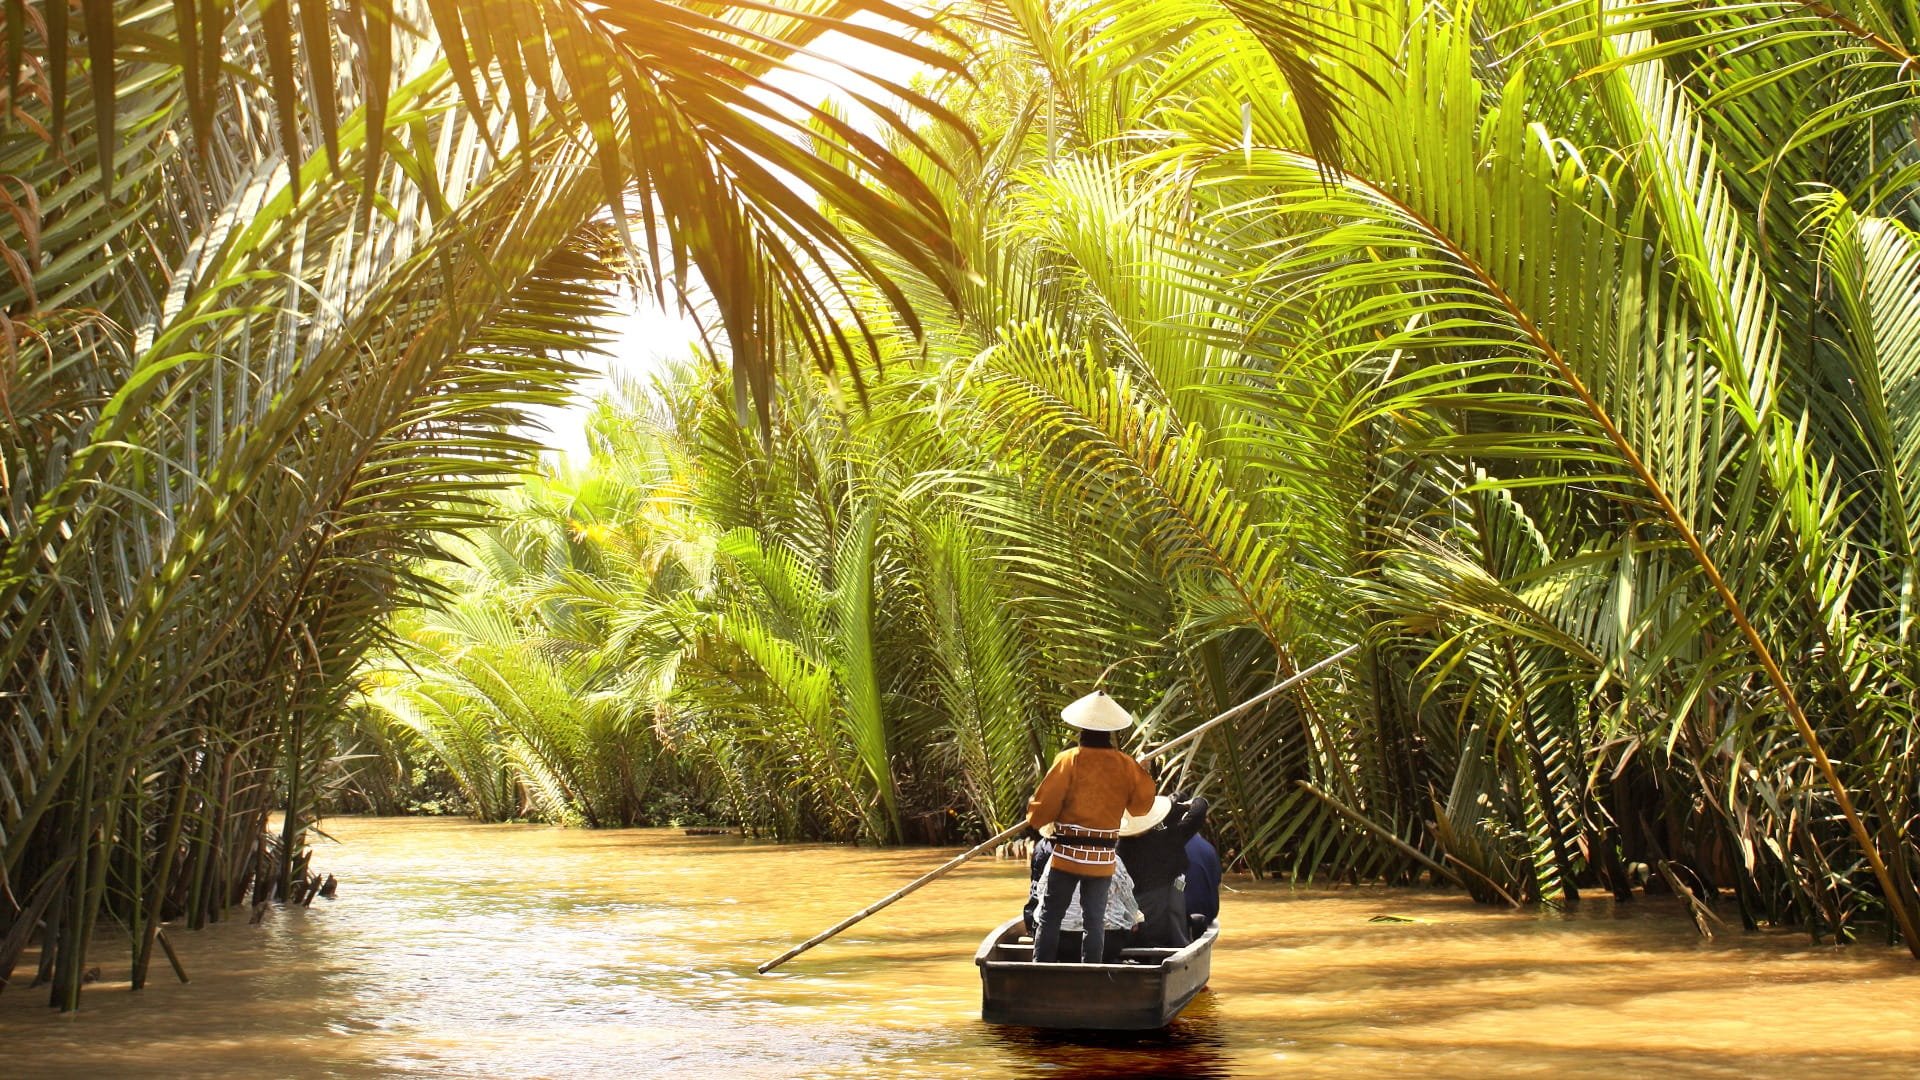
{"points": [[1203, 879]]}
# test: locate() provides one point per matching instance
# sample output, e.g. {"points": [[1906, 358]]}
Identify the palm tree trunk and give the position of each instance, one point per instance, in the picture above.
{"points": [[166, 856], [1542, 779]]}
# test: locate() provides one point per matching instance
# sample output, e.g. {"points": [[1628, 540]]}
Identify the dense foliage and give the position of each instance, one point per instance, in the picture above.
{"points": [[1563, 355], [1576, 384], [273, 305]]}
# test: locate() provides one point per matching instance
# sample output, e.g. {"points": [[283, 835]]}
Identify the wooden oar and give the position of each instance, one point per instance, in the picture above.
{"points": [[1012, 831]]}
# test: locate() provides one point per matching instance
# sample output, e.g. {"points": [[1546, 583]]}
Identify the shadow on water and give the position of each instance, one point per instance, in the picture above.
{"points": [[1193, 1046]]}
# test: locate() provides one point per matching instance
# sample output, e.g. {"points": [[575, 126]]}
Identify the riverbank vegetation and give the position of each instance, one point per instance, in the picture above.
{"points": [[1561, 355]]}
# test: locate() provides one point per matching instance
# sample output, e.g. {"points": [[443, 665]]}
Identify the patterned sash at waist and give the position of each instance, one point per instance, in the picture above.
{"points": [[1082, 846]]}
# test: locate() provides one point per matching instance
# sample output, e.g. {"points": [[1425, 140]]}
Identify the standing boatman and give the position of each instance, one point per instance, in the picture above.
{"points": [[1084, 795]]}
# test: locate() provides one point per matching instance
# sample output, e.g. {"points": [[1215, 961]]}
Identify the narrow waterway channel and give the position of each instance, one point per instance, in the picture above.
{"points": [[456, 949]]}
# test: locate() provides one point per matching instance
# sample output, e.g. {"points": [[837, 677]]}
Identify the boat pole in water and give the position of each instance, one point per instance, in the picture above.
{"points": [[1012, 831]]}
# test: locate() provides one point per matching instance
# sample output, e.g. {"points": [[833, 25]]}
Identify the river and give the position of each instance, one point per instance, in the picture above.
{"points": [[456, 949]]}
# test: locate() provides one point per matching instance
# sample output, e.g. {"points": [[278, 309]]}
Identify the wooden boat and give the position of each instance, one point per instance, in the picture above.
{"points": [[1145, 990]]}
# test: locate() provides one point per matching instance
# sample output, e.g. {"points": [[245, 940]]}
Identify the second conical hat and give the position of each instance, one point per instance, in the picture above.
{"points": [[1134, 826]]}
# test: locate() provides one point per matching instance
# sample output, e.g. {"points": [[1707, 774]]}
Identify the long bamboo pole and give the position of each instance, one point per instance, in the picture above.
{"points": [[1015, 830]]}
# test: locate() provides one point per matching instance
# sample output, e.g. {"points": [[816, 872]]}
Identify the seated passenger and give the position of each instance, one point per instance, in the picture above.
{"points": [[1153, 848], [1203, 884], [1036, 867]]}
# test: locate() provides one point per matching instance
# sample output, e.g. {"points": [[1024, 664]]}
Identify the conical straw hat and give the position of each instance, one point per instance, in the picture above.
{"points": [[1096, 712]]}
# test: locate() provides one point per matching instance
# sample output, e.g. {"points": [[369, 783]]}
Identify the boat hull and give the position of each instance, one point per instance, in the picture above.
{"points": [[1143, 992]]}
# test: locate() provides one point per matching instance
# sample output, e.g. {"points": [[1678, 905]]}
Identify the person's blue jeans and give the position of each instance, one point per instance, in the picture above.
{"points": [[1053, 908]]}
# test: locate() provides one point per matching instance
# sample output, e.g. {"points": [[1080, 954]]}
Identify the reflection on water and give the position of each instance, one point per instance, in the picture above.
{"points": [[1193, 1047], [463, 950]]}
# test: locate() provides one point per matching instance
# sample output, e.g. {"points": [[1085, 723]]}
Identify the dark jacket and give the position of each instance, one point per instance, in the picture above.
{"points": [[1160, 854], [1203, 878]]}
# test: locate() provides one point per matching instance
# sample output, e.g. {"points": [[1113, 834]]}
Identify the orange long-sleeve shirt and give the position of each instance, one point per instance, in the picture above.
{"points": [[1086, 792]]}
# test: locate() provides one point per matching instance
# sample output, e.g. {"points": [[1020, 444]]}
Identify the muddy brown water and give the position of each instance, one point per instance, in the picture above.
{"points": [[456, 949]]}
